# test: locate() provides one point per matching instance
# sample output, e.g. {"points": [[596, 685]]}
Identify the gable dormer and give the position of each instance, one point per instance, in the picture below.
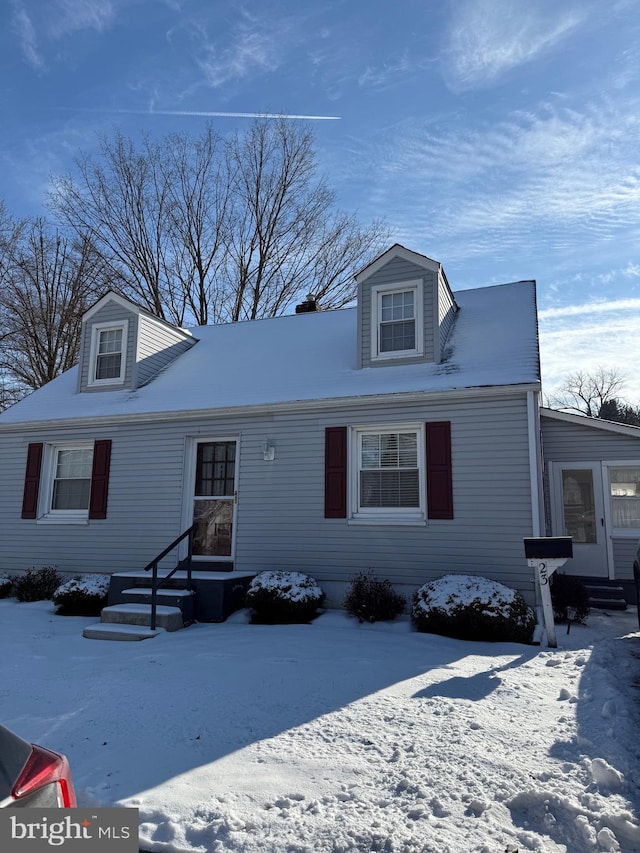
{"points": [[124, 346], [405, 309]]}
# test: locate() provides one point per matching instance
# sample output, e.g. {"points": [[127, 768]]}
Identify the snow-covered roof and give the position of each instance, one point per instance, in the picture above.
{"points": [[591, 423], [309, 357]]}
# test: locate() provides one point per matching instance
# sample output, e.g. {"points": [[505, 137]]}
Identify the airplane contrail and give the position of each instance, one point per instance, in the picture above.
{"points": [[207, 114]]}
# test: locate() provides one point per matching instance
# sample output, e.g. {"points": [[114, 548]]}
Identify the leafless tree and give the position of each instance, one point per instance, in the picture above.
{"points": [[209, 230], [48, 281], [589, 393]]}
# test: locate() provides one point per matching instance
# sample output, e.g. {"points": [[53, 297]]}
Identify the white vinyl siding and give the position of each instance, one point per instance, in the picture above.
{"points": [[280, 509]]}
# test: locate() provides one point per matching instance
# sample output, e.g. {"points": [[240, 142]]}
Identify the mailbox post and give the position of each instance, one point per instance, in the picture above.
{"points": [[545, 554]]}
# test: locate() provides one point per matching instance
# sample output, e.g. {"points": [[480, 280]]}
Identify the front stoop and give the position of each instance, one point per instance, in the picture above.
{"points": [[132, 621]]}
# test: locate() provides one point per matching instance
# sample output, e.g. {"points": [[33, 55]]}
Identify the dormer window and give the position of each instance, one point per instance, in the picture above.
{"points": [[396, 330], [108, 350]]}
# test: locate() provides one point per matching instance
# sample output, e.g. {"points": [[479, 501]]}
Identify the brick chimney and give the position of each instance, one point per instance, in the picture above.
{"points": [[309, 305]]}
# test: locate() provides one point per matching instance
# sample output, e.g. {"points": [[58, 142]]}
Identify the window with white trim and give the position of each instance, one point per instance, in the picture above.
{"points": [[388, 480], [66, 488], [108, 354], [624, 493], [396, 328]]}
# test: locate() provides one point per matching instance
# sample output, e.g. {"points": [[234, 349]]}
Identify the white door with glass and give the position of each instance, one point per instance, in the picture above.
{"points": [[578, 512], [214, 499]]}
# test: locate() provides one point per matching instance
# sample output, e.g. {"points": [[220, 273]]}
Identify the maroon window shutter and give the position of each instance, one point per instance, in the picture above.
{"points": [[439, 475], [335, 472], [32, 481], [100, 479]]}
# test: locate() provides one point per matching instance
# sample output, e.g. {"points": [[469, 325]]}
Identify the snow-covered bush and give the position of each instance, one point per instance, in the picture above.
{"points": [[276, 597], [569, 597], [37, 584], [82, 596], [6, 586], [472, 608], [371, 600]]}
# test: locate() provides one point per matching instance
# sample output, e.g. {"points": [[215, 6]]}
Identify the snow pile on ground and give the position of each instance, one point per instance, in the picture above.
{"points": [[339, 736]]}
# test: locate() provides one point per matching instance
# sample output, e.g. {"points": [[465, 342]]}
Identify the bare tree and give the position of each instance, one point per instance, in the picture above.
{"points": [[589, 393], [285, 239], [207, 231], [48, 282]]}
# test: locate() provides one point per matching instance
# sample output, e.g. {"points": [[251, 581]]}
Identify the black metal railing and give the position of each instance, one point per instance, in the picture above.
{"points": [[183, 565]]}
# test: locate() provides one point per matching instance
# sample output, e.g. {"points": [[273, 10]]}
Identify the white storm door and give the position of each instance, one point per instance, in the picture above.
{"points": [[579, 513], [214, 499]]}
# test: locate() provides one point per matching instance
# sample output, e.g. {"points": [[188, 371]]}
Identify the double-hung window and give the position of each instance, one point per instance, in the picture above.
{"points": [[108, 354], [625, 497], [396, 328], [65, 491], [388, 481]]}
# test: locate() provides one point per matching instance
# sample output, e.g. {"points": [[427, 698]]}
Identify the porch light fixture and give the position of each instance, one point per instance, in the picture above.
{"points": [[268, 451]]}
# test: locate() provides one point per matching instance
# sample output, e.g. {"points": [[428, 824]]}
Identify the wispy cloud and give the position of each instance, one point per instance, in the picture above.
{"points": [[253, 45], [71, 16], [590, 308], [603, 337], [23, 27], [488, 38], [55, 20], [543, 181]]}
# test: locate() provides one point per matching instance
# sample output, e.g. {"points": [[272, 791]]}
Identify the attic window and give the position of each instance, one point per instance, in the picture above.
{"points": [[396, 328], [108, 354]]}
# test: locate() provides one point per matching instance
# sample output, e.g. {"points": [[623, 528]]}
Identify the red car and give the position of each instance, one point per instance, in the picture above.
{"points": [[32, 776]]}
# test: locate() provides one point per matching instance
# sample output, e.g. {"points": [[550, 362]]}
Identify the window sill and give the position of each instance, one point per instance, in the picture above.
{"points": [[399, 354], [385, 521], [625, 533], [69, 519]]}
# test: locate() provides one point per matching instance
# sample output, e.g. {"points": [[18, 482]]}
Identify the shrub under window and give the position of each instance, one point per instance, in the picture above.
{"points": [[37, 584], [473, 608], [372, 600], [82, 596], [283, 597]]}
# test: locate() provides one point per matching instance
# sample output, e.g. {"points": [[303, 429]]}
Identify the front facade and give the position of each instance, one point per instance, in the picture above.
{"points": [[401, 436]]}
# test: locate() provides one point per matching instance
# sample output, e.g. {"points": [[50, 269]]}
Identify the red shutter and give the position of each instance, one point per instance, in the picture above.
{"points": [[439, 476], [32, 481], [335, 472], [100, 479]]}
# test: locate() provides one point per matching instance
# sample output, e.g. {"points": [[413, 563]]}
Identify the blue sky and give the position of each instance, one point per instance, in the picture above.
{"points": [[500, 137]]}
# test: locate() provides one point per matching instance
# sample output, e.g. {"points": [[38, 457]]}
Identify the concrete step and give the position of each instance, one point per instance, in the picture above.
{"points": [[608, 603], [104, 631], [605, 595], [169, 618], [180, 598]]}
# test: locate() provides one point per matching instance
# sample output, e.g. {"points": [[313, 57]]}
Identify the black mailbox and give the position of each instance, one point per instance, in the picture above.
{"points": [[548, 547]]}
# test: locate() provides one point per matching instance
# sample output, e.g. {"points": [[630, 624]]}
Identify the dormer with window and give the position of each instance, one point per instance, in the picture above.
{"points": [[405, 309], [125, 346]]}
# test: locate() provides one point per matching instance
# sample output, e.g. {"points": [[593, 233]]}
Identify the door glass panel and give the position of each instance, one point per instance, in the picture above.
{"points": [[578, 505], [214, 524], [215, 468], [213, 505]]}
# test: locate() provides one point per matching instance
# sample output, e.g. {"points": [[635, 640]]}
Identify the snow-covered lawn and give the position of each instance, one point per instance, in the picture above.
{"points": [[337, 736]]}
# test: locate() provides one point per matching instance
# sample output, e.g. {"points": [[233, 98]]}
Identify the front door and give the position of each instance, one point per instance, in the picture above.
{"points": [[578, 512], [214, 500]]}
